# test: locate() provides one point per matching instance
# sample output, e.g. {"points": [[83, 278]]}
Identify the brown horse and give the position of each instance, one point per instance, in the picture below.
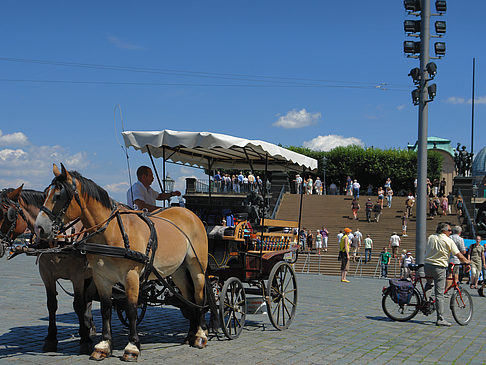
{"points": [[19, 209], [182, 252]]}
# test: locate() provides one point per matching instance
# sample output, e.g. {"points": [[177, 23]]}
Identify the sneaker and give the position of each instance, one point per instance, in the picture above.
{"points": [[345, 281], [443, 322]]}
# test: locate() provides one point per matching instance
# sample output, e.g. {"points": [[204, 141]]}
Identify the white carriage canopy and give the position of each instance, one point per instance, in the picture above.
{"points": [[217, 151]]}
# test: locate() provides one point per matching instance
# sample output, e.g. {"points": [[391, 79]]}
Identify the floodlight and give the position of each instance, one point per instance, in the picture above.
{"points": [[441, 6], [415, 96], [440, 48], [440, 27], [432, 90], [412, 5], [431, 69], [411, 47], [415, 73], [411, 26]]}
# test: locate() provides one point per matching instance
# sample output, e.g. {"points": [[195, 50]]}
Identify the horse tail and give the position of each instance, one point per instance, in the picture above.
{"points": [[214, 322]]}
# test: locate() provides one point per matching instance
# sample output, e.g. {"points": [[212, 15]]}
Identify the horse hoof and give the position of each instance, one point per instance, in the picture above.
{"points": [[98, 355], [50, 346], [200, 342], [129, 357]]}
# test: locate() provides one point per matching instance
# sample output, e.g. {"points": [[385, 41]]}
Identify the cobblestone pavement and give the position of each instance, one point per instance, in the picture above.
{"points": [[335, 323]]}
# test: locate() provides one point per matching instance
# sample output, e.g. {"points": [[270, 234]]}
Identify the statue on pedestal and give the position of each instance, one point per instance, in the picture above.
{"points": [[463, 160]]}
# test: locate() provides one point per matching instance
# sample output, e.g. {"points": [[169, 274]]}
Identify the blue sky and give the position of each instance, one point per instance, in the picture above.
{"points": [[312, 73]]}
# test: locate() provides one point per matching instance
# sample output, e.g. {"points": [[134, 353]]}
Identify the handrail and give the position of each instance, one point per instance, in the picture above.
{"points": [[277, 203], [469, 221]]}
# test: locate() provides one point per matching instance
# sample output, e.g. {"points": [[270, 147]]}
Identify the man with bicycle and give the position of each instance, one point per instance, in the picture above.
{"points": [[437, 250]]}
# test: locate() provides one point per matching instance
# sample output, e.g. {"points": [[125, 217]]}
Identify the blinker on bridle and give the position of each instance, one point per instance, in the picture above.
{"points": [[63, 200], [13, 210]]}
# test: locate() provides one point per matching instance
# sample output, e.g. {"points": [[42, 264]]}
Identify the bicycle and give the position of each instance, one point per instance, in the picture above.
{"points": [[461, 303]]}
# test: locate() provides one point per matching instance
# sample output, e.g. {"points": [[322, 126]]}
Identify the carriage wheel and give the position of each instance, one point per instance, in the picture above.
{"points": [[281, 295], [122, 313], [232, 307]]}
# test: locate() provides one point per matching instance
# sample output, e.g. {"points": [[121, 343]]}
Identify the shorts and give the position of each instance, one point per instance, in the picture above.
{"points": [[318, 244], [344, 261], [457, 267], [404, 228]]}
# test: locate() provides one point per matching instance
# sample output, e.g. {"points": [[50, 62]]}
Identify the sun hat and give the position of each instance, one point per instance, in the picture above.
{"points": [[347, 230]]}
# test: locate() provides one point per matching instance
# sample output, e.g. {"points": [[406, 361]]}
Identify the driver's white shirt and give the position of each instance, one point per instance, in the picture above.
{"points": [[140, 192]]}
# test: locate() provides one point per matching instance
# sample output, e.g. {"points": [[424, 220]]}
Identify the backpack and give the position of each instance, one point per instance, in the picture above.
{"points": [[401, 291]]}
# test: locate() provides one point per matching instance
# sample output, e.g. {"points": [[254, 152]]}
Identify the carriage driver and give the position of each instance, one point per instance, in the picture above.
{"points": [[144, 196]]}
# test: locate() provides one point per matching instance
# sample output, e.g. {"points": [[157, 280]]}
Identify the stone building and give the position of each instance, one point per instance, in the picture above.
{"points": [[443, 146]]}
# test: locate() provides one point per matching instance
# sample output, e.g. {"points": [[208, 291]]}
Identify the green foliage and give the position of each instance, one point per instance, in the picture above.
{"points": [[372, 166]]}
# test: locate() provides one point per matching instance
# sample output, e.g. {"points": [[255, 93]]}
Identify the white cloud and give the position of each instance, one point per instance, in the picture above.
{"points": [[117, 42], [117, 187], [455, 100], [401, 107], [8, 155], [480, 100], [327, 143], [32, 164], [13, 139], [297, 119]]}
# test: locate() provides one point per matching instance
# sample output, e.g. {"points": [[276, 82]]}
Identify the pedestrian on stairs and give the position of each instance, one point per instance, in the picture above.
{"points": [[368, 246], [377, 208], [355, 207], [394, 244], [369, 209], [325, 237], [344, 255], [384, 261], [357, 239]]}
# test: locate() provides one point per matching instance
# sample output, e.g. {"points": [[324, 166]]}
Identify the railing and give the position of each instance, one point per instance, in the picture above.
{"points": [[201, 186], [277, 203], [469, 221]]}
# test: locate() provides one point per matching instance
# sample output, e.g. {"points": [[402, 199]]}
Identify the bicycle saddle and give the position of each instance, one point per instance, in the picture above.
{"points": [[415, 267]]}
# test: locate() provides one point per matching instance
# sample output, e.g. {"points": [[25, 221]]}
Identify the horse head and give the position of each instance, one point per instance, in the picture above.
{"points": [[67, 199], [59, 206], [12, 220]]}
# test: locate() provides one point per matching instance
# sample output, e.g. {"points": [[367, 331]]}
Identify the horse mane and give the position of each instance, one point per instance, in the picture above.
{"points": [[29, 196], [33, 197], [89, 187]]}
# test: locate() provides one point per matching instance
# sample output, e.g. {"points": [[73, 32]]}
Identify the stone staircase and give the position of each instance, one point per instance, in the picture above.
{"points": [[334, 212]]}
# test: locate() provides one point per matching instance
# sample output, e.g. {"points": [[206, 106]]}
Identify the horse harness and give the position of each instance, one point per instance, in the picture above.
{"points": [[13, 210], [63, 200]]}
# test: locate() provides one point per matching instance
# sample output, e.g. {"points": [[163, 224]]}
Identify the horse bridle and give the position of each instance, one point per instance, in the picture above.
{"points": [[13, 210], [62, 199]]}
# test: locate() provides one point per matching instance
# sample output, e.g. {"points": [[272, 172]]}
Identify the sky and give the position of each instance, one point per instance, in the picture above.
{"points": [[318, 74]]}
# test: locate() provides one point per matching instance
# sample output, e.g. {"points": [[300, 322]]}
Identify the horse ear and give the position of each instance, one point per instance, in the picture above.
{"points": [[55, 170], [66, 174], [14, 194]]}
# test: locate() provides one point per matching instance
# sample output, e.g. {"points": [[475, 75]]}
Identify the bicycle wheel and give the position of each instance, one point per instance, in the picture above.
{"points": [[399, 312], [462, 306]]}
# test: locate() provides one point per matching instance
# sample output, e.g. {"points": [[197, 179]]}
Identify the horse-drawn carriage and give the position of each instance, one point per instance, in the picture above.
{"points": [[169, 256]]}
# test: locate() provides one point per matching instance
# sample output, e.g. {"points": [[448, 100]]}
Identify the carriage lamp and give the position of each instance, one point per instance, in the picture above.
{"points": [[432, 91], [412, 5], [412, 47], [415, 96], [441, 6], [411, 26], [440, 27], [440, 48], [431, 69], [415, 73]]}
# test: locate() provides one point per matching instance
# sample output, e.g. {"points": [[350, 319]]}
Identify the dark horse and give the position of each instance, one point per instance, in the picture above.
{"points": [[179, 249], [19, 209]]}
